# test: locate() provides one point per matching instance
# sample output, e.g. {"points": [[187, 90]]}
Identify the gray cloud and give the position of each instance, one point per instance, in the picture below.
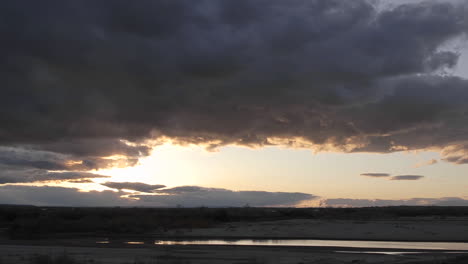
{"points": [[9, 175], [60, 196], [44, 159], [376, 175], [446, 201], [136, 186], [90, 79], [406, 177]]}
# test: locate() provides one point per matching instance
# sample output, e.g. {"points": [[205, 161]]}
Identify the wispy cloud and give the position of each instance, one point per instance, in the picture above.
{"points": [[426, 163], [393, 178]]}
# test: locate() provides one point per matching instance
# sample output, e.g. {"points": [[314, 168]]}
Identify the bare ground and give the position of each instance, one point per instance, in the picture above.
{"points": [[21, 254]]}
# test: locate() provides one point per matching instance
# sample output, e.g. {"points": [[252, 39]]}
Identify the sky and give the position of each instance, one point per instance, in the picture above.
{"points": [[234, 103]]}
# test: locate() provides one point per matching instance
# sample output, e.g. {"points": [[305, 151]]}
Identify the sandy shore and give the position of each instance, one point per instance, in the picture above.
{"points": [[414, 229]]}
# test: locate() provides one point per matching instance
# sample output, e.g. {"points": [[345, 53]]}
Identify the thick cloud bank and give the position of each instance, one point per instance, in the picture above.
{"points": [[85, 80], [446, 201], [197, 196]]}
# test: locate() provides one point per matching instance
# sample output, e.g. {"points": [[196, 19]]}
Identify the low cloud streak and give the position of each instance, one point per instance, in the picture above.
{"points": [[445, 201], [8, 175], [211, 197], [135, 186], [375, 175], [406, 178]]}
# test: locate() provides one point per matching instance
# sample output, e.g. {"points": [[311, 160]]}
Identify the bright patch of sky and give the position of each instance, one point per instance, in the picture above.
{"points": [[299, 170]]}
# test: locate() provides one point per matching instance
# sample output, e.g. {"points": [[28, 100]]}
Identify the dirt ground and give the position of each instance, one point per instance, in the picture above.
{"points": [[215, 254]]}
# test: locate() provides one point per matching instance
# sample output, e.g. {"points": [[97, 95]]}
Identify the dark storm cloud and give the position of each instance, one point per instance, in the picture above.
{"points": [[446, 201], [83, 80], [60, 196], [406, 178], [136, 186], [16, 175], [376, 175]]}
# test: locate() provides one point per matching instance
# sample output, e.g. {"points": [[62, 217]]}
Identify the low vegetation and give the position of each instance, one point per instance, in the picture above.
{"points": [[30, 222]]}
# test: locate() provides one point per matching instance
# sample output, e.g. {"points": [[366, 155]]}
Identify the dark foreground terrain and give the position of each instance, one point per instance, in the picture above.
{"points": [[210, 254], [101, 235]]}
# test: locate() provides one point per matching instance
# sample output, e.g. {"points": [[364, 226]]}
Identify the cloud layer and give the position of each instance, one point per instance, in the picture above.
{"points": [[446, 201], [85, 81], [197, 196]]}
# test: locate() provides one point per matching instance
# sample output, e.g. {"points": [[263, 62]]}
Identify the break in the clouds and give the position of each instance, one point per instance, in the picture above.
{"points": [[82, 81], [446, 201], [375, 174], [135, 186], [406, 177], [198, 196]]}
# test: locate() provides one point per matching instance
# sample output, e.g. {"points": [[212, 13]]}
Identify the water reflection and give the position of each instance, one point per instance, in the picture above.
{"points": [[134, 242], [324, 243]]}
